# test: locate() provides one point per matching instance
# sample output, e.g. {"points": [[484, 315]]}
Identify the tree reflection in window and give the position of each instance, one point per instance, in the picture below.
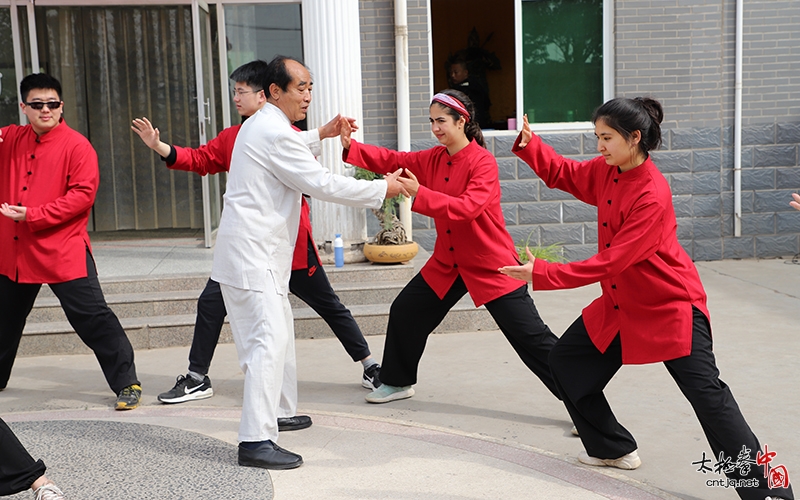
{"points": [[562, 59]]}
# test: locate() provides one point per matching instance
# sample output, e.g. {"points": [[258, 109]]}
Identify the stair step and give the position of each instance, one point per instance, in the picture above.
{"points": [[163, 303], [125, 305], [152, 332], [351, 273], [145, 284]]}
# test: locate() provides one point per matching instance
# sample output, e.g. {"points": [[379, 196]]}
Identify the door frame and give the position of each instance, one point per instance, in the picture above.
{"points": [[210, 183]]}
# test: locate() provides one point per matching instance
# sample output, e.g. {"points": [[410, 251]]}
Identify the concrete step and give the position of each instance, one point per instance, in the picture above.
{"points": [[164, 303], [145, 284], [152, 332], [351, 273]]}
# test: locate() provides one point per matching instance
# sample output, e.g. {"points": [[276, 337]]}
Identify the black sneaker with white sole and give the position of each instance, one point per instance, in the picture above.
{"points": [[187, 389], [371, 379]]}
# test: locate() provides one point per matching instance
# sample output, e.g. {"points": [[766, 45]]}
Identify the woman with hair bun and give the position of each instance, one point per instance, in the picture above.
{"points": [[458, 185], [653, 305]]}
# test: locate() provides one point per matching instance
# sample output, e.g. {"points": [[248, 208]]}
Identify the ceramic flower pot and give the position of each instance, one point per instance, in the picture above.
{"points": [[390, 254]]}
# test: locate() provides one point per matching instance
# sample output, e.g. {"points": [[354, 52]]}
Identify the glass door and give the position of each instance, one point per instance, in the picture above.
{"points": [[207, 127]]}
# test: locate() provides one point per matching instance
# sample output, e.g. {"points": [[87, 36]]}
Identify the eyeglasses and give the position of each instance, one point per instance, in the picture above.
{"points": [[39, 105], [240, 92]]}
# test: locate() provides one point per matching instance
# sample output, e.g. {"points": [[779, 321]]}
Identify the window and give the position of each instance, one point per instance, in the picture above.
{"points": [[262, 31], [562, 59], [547, 58]]}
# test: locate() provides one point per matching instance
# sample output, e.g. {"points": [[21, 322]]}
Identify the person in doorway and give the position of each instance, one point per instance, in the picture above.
{"points": [[271, 168], [48, 181], [19, 471], [458, 185], [308, 279], [653, 305], [459, 78]]}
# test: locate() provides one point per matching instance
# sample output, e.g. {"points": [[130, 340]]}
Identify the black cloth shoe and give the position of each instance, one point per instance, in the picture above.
{"points": [[294, 423], [269, 456]]}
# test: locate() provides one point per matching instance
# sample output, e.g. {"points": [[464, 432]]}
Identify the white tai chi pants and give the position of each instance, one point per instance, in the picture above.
{"points": [[263, 331]]}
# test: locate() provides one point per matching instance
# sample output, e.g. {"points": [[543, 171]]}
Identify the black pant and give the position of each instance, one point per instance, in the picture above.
{"points": [[18, 470], [310, 285], [86, 309], [417, 311], [582, 372]]}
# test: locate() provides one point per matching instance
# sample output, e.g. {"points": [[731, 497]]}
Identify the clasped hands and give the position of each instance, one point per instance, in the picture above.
{"points": [[407, 186]]}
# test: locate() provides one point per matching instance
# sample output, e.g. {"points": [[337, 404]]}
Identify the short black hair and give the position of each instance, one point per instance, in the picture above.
{"points": [[278, 74], [253, 73], [39, 81]]}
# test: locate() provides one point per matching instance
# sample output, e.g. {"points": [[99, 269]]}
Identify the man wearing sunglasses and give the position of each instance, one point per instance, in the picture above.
{"points": [[48, 181]]}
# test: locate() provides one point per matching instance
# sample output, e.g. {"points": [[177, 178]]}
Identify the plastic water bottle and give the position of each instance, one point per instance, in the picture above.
{"points": [[338, 251]]}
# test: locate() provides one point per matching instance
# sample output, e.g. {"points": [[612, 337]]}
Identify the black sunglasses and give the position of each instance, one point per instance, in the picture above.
{"points": [[39, 105]]}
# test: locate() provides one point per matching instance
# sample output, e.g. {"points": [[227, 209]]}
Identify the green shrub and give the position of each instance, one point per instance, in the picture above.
{"points": [[550, 253]]}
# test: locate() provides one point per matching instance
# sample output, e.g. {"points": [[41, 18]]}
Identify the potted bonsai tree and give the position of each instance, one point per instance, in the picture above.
{"points": [[390, 245]]}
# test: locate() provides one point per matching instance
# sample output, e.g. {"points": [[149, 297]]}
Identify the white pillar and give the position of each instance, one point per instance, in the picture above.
{"points": [[332, 47]]}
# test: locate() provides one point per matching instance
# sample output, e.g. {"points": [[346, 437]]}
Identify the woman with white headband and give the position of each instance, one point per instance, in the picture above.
{"points": [[458, 185]]}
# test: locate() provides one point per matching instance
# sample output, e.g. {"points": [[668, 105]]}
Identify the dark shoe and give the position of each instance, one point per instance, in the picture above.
{"points": [[129, 397], [269, 456], [371, 379], [187, 389], [294, 423]]}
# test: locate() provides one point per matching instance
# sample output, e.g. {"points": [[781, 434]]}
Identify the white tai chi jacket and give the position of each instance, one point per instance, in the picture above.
{"points": [[271, 167]]}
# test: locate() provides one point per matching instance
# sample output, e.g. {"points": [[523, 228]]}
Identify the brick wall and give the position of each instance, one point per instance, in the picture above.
{"points": [[682, 53], [378, 71]]}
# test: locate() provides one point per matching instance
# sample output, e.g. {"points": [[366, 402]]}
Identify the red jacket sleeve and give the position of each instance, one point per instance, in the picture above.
{"points": [[556, 171], [211, 158], [82, 181], [637, 240], [384, 161]]}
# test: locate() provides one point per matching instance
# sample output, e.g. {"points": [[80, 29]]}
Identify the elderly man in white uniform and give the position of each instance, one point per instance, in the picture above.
{"points": [[271, 167]]}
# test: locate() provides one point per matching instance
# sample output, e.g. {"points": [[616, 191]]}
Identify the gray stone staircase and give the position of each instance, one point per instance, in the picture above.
{"points": [[160, 311]]}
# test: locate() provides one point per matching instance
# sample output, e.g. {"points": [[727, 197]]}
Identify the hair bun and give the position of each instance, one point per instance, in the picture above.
{"points": [[652, 107]]}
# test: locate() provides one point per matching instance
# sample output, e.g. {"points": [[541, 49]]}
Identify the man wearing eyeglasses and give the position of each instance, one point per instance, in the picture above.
{"points": [[48, 181]]}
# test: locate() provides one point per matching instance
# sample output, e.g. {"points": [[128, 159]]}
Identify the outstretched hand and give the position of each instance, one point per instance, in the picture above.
{"points": [[796, 203], [393, 185], [345, 131], [410, 183], [334, 127], [525, 133], [523, 272], [144, 129]]}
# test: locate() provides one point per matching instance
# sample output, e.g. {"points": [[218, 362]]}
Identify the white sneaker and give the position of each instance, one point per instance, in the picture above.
{"points": [[626, 462], [386, 393], [574, 431], [48, 491]]}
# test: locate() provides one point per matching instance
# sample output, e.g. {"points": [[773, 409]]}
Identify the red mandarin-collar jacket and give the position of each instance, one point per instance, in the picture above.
{"points": [[56, 177], [215, 157], [462, 194], [649, 282]]}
